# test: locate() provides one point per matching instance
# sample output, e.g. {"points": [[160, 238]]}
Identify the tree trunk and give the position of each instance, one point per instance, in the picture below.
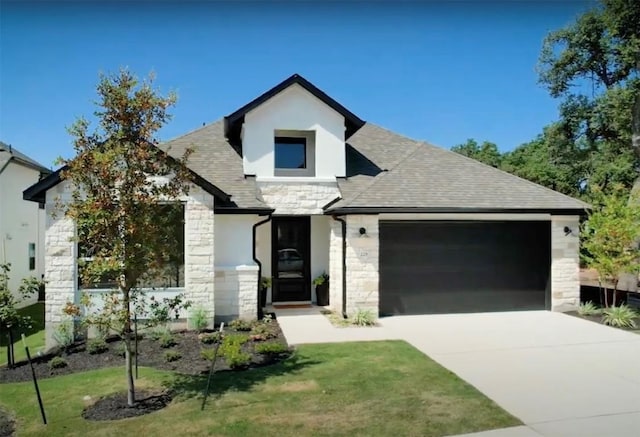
{"points": [[10, 351], [128, 362]]}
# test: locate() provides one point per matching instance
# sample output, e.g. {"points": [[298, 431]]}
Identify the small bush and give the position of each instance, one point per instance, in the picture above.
{"points": [[171, 356], [235, 339], [167, 340], [263, 332], [97, 346], [589, 309], [57, 363], [120, 350], [64, 334], [621, 317], [237, 359], [211, 338], [241, 325], [207, 354], [198, 319], [363, 318], [267, 318], [271, 348], [157, 333]]}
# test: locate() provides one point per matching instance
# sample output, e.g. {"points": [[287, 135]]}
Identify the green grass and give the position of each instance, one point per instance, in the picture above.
{"points": [[34, 336], [369, 389]]}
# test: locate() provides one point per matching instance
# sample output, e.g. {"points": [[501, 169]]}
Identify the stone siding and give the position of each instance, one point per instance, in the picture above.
{"points": [[236, 293], [565, 264], [362, 264], [296, 198]]}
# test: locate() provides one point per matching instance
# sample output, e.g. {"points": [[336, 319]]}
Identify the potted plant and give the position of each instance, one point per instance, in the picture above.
{"points": [[265, 283], [322, 289]]}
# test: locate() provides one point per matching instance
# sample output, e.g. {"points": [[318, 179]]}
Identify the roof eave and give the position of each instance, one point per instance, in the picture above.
{"points": [[453, 210]]}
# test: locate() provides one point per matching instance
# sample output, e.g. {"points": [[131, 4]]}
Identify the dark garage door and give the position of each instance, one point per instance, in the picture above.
{"points": [[460, 267]]}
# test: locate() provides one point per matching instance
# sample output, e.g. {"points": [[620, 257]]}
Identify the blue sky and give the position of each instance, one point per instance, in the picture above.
{"points": [[436, 71]]}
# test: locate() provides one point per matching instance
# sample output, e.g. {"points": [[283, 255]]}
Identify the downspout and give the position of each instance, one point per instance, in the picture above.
{"points": [[257, 261], [344, 264]]}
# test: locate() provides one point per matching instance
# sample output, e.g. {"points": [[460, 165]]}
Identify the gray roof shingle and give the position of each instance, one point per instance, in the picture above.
{"points": [[8, 153], [384, 170]]}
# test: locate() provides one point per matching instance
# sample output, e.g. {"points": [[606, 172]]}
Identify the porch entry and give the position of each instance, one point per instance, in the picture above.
{"points": [[291, 259]]}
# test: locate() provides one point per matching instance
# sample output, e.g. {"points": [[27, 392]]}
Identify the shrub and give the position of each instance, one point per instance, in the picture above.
{"points": [[64, 334], [207, 354], [57, 363], [271, 348], [621, 317], [263, 331], [171, 356], [120, 350], [589, 309], [241, 325], [158, 332], [237, 359], [198, 319], [211, 338], [167, 340], [321, 279], [363, 318], [97, 346]]}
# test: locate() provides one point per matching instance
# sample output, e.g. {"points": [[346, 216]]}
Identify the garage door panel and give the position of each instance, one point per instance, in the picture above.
{"points": [[442, 267]]}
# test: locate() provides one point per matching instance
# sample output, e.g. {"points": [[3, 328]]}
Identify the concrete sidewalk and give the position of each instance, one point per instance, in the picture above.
{"points": [[561, 375]]}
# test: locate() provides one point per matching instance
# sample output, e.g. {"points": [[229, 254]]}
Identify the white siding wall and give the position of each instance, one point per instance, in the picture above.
{"points": [[234, 242], [293, 109], [21, 223], [320, 233]]}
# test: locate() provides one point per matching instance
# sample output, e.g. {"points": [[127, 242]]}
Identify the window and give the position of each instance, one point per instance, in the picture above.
{"points": [[291, 153], [294, 153], [169, 269], [32, 256]]}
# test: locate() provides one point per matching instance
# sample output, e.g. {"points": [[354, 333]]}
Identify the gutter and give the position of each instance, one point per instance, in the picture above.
{"points": [[257, 261], [344, 264]]}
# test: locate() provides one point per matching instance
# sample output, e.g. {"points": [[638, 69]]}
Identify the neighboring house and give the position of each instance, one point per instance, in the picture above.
{"points": [[293, 184], [21, 222]]}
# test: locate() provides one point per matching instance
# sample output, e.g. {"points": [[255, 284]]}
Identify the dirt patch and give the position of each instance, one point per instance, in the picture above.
{"points": [[295, 386], [7, 424], [114, 407], [150, 354]]}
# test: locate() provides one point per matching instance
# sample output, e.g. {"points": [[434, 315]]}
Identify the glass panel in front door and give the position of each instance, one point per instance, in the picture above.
{"points": [[291, 262]]}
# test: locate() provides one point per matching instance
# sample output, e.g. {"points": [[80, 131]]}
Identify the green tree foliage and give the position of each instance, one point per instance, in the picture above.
{"points": [[10, 317], [594, 66], [486, 152], [610, 237], [116, 192]]}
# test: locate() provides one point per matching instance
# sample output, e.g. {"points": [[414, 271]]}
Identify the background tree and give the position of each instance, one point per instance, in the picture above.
{"points": [[609, 238], [10, 317], [594, 66], [116, 192], [486, 152]]}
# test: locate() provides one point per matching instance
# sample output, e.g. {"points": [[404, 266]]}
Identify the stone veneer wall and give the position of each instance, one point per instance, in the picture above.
{"points": [[199, 251], [61, 255], [297, 198], [236, 293], [362, 264], [335, 266], [59, 262], [565, 264]]}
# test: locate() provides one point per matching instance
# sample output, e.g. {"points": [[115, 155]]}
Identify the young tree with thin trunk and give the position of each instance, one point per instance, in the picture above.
{"points": [[121, 181]]}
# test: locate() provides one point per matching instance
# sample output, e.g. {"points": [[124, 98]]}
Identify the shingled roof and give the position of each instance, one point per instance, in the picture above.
{"points": [[405, 175], [9, 153], [385, 172]]}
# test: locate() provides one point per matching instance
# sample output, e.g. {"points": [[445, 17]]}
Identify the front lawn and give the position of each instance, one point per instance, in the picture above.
{"points": [[34, 335], [369, 388]]}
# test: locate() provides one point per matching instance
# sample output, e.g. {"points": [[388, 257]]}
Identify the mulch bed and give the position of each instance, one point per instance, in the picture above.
{"points": [[115, 406], [598, 319], [150, 354], [7, 424]]}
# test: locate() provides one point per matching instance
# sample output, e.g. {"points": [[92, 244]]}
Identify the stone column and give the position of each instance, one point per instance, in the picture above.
{"points": [[199, 252], [335, 266], [565, 263], [362, 263], [60, 272]]}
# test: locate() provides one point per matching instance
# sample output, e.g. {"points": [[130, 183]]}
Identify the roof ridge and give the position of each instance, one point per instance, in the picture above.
{"points": [[498, 170], [384, 173]]}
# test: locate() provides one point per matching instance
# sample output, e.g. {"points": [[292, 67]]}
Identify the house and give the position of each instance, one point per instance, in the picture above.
{"points": [[21, 222], [294, 184]]}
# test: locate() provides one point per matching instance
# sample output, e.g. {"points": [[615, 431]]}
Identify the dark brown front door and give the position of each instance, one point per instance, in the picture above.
{"points": [[290, 243]]}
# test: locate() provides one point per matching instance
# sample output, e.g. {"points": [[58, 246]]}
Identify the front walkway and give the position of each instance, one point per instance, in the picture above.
{"points": [[560, 375]]}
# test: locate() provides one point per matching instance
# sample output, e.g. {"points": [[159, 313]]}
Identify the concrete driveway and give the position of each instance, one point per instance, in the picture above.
{"points": [[560, 375]]}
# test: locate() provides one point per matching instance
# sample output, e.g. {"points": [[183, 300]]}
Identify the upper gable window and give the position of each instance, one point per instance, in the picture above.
{"points": [[291, 153], [294, 153]]}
